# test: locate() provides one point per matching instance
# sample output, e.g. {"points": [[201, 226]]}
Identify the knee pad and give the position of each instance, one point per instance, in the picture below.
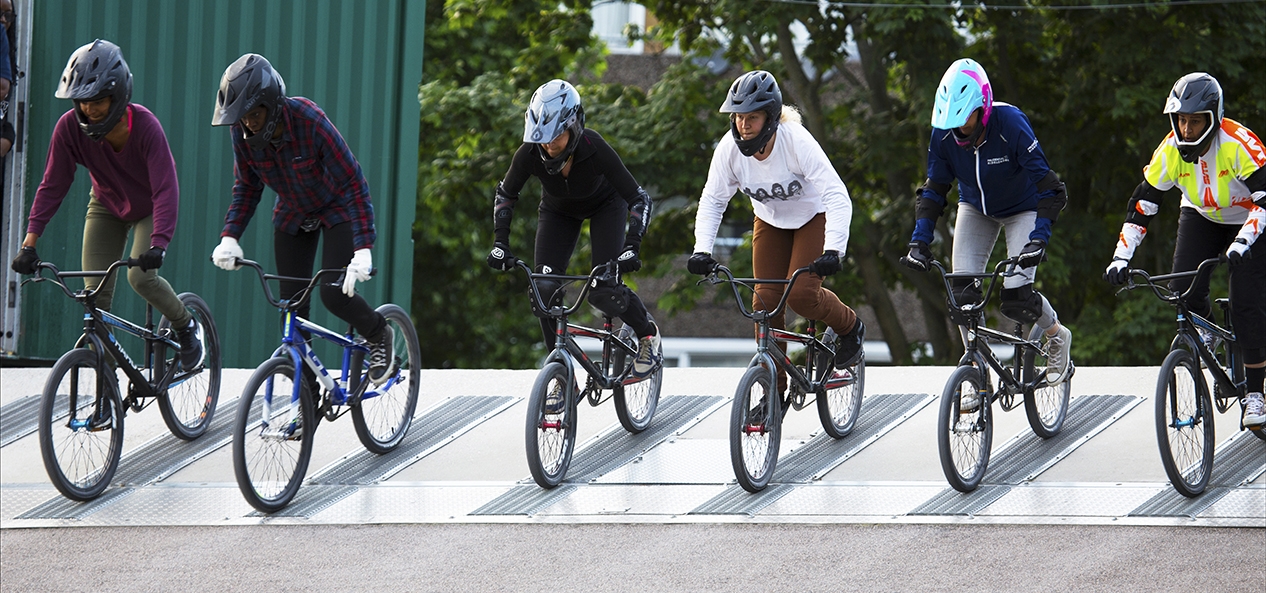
{"points": [[551, 292], [966, 292], [1022, 303], [611, 300]]}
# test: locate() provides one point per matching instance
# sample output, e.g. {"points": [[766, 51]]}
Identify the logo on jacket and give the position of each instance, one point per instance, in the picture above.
{"points": [[998, 160], [776, 192]]}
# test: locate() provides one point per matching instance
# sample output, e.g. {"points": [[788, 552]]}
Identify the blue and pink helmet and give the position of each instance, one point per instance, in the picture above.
{"points": [[964, 89]]}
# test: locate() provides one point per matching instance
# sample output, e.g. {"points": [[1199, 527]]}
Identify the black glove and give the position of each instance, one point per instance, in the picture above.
{"points": [[500, 257], [828, 263], [27, 261], [628, 260], [1238, 252], [152, 259], [1033, 254], [701, 263], [1118, 271], [919, 258]]}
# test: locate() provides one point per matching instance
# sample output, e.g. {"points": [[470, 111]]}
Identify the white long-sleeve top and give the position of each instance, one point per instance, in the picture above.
{"points": [[787, 189]]}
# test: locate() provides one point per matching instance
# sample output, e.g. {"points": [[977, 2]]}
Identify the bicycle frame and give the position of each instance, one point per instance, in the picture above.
{"points": [[566, 350]]}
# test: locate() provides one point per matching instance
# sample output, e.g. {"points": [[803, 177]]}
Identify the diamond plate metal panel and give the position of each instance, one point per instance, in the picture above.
{"points": [[879, 415], [64, 508], [633, 500], [953, 502], [18, 418], [677, 461], [1029, 455], [182, 505], [527, 499], [311, 499], [1238, 460], [736, 501], [396, 504], [854, 500], [1240, 503], [14, 501], [1048, 501]]}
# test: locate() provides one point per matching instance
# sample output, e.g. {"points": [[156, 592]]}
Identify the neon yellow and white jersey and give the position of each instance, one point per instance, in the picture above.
{"points": [[1213, 185]]}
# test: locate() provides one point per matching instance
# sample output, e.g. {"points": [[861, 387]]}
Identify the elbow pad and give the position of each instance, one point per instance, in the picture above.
{"points": [[930, 203], [1143, 205], [1050, 206], [639, 217], [1257, 186], [502, 214]]}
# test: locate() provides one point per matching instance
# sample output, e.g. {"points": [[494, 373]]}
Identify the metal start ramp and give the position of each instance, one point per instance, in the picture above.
{"points": [[1236, 462], [19, 418], [880, 414], [611, 449], [1027, 455]]}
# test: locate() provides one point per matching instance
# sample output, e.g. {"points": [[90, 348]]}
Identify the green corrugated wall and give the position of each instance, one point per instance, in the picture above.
{"points": [[361, 61]]}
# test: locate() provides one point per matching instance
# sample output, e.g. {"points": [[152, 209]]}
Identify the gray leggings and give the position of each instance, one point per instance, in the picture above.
{"points": [[105, 236], [974, 236]]}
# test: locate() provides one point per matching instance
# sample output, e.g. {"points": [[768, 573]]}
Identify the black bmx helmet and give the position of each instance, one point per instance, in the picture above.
{"points": [[248, 82], [95, 71], [754, 91], [555, 107], [1196, 93]]}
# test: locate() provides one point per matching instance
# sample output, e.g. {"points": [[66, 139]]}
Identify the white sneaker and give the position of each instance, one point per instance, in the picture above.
{"points": [[1057, 355], [1254, 410], [968, 401], [648, 356]]}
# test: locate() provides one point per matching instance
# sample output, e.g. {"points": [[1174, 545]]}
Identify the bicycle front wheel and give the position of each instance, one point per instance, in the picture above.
{"points": [[842, 403], [755, 429], [1046, 405], [272, 438], [80, 426], [635, 403], [1184, 423], [551, 426], [383, 420], [964, 440], [189, 402]]}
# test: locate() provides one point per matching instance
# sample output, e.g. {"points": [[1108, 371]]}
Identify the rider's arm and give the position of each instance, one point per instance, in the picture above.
{"points": [[817, 170], [344, 172], [247, 187], [931, 196], [1252, 169], [165, 189], [717, 191], [1145, 203], [507, 194], [618, 176], [59, 174], [1051, 196]]}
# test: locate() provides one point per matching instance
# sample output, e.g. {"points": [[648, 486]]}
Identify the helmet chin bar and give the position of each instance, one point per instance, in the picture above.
{"points": [[757, 143], [1190, 151]]}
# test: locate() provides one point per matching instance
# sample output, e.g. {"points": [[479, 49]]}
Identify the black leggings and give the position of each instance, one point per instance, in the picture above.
{"points": [[1200, 239], [295, 255], [556, 237]]}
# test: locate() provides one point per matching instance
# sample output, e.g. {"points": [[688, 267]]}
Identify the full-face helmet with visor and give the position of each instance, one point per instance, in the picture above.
{"points": [[96, 71], [554, 108], [250, 81], [1195, 94]]}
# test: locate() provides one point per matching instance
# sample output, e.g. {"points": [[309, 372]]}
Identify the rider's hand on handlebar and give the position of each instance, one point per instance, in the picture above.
{"points": [[629, 260], [26, 262], [152, 259], [358, 270], [919, 258], [500, 257], [701, 263], [1033, 254], [225, 255], [828, 263], [1117, 272], [1239, 251]]}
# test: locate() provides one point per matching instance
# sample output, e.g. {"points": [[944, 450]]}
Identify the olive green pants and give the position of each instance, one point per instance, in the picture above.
{"points": [[105, 237]]}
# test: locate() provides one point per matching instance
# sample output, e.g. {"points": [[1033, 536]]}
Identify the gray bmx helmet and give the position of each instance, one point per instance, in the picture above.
{"points": [[95, 71], [248, 82], [754, 91], [1195, 93], [555, 107]]}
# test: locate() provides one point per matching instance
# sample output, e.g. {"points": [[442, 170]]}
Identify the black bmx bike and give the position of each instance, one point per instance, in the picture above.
{"points": [[1184, 407], [758, 409], [551, 417], [83, 406], [964, 431]]}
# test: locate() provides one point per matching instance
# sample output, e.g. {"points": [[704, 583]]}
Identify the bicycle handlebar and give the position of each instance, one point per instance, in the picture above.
{"points": [[299, 298], [601, 272], [59, 276], [1003, 269], [1204, 269], [713, 277]]}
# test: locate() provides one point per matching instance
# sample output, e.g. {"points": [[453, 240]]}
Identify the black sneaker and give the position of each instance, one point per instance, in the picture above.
{"points": [[848, 347], [382, 361], [190, 339]]}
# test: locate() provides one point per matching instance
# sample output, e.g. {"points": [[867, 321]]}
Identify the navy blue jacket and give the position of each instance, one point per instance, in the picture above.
{"points": [[999, 177]]}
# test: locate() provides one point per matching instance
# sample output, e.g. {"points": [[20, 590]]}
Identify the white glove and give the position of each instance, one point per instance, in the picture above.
{"points": [[224, 255], [357, 271], [1238, 251]]}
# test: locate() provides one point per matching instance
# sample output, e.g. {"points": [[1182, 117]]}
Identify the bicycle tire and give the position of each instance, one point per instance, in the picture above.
{"points": [[550, 437], [382, 421], [272, 448], [964, 440], [754, 443], [1046, 406], [188, 403], [80, 426], [839, 407], [635, 403], [1184, 423]]}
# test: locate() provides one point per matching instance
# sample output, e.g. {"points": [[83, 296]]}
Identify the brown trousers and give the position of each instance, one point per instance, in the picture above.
{"points": [[777, 253]]}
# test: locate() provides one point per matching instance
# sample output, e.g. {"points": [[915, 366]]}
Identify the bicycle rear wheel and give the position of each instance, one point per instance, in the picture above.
{"points": [[842, 403], [1046, 406], [755, 429], [80, 426], [189, 402], [1184, 423], [272, 438], [551, 430], [383, 420], [635, 403], [964, 440]]}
